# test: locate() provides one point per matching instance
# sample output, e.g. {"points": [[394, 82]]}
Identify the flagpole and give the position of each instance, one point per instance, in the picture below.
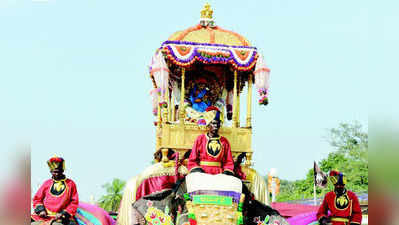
{"points": [[314, 194], [314, 182]]}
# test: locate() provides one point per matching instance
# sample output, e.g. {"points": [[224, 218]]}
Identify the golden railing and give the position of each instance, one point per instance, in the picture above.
{"points": [[181, 138]]}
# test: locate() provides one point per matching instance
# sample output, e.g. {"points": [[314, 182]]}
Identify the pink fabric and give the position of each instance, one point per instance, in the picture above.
{"points": [[155, 184], [262, 74], [290, 210], [159, 70], [303, 219], [97, 212]]}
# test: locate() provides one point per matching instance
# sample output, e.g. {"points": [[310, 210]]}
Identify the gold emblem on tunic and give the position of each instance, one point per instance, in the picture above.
{"points": [[214, 145], [59, 186], [342, 202]]}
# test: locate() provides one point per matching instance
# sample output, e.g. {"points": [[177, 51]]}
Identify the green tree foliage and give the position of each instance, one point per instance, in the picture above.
{"points": [[111, 200], [350, 157]]}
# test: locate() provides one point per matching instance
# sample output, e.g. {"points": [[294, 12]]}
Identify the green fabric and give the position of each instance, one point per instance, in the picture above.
{"points": [[240, 220], [212, 199], [187, 197]]}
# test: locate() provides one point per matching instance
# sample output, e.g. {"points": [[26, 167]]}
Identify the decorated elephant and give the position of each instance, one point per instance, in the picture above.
{"points": [[219, 200]]}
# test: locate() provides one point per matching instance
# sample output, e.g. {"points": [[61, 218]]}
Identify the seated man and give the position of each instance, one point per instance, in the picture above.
{"points": [[343, 205], [57, 199], [211, 152]]}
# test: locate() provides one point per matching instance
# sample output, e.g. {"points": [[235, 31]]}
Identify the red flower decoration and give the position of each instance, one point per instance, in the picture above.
{"points": [[192, 222]]}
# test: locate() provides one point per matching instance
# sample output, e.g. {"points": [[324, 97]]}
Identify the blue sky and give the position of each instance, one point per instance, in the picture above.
{"points": [[74, 79]]}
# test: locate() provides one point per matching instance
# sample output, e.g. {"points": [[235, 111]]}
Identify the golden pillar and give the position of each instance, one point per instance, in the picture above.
{"points": [[165, 111], [158, 130], [235, 100], [238, 101], [182, 112], [249, 101], [172, 104], [169, 105], [159, 112]]}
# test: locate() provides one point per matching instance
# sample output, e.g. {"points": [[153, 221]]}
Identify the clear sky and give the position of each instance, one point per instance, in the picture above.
{"points": [[74, 79]]}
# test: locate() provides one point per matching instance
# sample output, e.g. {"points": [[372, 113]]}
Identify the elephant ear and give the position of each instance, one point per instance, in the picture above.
{"points": [[141, 206], [157, 200]]}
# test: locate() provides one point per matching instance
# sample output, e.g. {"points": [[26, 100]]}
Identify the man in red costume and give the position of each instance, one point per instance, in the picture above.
{"points": [[343, 204], [211, 152], [57, 199]]}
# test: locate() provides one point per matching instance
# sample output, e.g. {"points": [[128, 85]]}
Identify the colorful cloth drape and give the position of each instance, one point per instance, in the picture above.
{"points": [[88, 214]]}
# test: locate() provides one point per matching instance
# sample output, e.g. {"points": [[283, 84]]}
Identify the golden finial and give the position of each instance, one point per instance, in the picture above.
{"points": [[207, 12], [206, 16]]}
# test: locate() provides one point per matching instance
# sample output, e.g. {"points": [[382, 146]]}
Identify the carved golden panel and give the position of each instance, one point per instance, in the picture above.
{"points": [[215, 214], [179, 137]]}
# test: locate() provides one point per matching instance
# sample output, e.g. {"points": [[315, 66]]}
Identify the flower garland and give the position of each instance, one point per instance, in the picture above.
{"points": [[218, 54], [207, 44], [263, 99], [213, 56]]}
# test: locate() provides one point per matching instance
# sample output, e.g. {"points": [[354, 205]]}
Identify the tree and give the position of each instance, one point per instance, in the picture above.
{"points": [[348, 137], [350, 157], [111, 201]]}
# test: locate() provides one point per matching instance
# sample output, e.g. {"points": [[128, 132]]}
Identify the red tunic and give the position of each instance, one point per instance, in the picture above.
{"points": [[56, 198], [213, 155], [344, 209]]}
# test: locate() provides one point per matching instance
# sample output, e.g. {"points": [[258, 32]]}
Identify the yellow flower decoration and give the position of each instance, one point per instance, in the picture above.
{"points": [[155, 216]]}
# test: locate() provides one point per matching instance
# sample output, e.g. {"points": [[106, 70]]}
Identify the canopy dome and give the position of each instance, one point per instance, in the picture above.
{"points": [[209, 44], [211, 35]]}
